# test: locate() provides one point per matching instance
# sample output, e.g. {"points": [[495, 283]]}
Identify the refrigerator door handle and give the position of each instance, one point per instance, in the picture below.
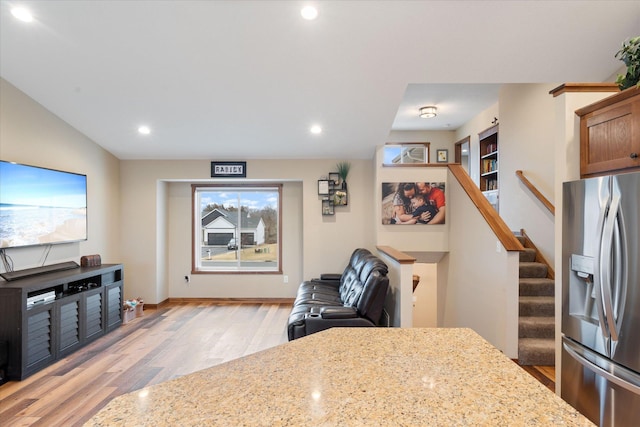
{"points": [[609, 269], [627, 380], [597, 271], [621, 267]]}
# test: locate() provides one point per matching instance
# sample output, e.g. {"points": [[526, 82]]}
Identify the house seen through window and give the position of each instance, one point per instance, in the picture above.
{"points": [[236, 228]]}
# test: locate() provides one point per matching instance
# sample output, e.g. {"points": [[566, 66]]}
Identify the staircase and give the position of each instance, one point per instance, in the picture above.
{"points": [[536, 324]]}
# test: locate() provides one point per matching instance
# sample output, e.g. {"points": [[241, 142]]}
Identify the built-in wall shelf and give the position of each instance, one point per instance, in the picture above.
{"points": [[488, 139]]}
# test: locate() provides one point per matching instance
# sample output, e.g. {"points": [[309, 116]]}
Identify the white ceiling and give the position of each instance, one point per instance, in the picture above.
{"points": [[456, 104], [246, 79]]}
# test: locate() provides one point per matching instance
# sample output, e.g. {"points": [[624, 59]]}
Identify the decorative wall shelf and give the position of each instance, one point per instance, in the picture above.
{"points": [[334, 192]]}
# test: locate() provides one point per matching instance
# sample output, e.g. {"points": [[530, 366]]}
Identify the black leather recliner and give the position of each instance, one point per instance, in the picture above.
{"points": [[354, 298]]}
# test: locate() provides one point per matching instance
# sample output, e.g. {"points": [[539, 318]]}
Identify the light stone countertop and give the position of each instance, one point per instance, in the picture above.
{"points": [[353, 377]]}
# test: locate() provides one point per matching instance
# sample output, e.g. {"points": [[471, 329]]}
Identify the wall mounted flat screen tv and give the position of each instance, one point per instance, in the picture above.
{"points": [[40, 206]]}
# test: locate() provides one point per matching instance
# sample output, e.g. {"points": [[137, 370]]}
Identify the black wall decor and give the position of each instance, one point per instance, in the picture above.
{"points": [[228, 169]]}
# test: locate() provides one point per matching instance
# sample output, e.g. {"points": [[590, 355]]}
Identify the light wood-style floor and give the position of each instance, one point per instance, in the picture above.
{"points": [[163, 344], [545, 374]]}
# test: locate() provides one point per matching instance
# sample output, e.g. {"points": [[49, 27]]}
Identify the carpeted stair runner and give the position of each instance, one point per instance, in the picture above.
{"points": [[536, 326]]}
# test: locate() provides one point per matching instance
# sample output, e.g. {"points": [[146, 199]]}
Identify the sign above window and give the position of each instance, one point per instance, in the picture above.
{"points": [[228, 169]]}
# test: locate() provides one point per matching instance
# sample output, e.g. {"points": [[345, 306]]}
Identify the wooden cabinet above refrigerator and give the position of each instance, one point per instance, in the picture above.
{"points": [[610, 134]]}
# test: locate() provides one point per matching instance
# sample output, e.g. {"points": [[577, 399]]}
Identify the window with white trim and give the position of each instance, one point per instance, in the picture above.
{"points": [[236, 228]]}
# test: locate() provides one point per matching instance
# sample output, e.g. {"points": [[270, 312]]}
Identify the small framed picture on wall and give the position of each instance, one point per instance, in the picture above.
{"points": [[323, 187], [442, 156]]}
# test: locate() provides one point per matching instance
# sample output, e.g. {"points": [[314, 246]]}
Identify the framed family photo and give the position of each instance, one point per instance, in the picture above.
{"points": [[408, 203]]}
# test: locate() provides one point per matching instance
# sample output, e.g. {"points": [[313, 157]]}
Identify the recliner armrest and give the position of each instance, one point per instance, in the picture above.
{"points": [[331, 276], [316, 322], [334, 312]]}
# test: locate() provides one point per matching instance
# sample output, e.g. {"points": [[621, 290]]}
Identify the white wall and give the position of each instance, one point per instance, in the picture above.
{"points": [[312, 243], [164, 261], [398, 304], [32, 135], [481, 289], [526, 142], [425, 297]]}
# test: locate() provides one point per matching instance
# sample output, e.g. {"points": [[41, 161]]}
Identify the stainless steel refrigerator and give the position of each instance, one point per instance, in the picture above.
{"points": [[601, 298]]}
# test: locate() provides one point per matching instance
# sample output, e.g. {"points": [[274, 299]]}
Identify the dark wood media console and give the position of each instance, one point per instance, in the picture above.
{"points": [[46, 317]]}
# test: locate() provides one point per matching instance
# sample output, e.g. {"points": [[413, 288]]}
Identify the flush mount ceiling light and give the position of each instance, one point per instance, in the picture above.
{"points": [[428, 112], [309, 13], [315, 129], [22, 14], [144, 130]]}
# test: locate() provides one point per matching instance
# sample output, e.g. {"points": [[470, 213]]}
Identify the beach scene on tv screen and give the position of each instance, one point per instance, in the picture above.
{"points": [[41, 206]]}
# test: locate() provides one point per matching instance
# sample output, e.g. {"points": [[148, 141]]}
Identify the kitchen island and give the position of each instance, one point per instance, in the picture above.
{"points": [[353, 377]]}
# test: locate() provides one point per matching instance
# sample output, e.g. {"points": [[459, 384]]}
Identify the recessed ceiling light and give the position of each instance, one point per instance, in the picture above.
{"points": [[309, 13], [315, 129], [144, 130], [22, 14]]}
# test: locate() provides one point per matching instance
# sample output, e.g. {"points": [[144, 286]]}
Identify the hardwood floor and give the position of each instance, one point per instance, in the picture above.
{"points": [[162, 344], [545, 374]]}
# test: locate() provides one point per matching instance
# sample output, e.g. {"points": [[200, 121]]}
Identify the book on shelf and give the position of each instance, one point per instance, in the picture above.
{"points": [[489, 165]]}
